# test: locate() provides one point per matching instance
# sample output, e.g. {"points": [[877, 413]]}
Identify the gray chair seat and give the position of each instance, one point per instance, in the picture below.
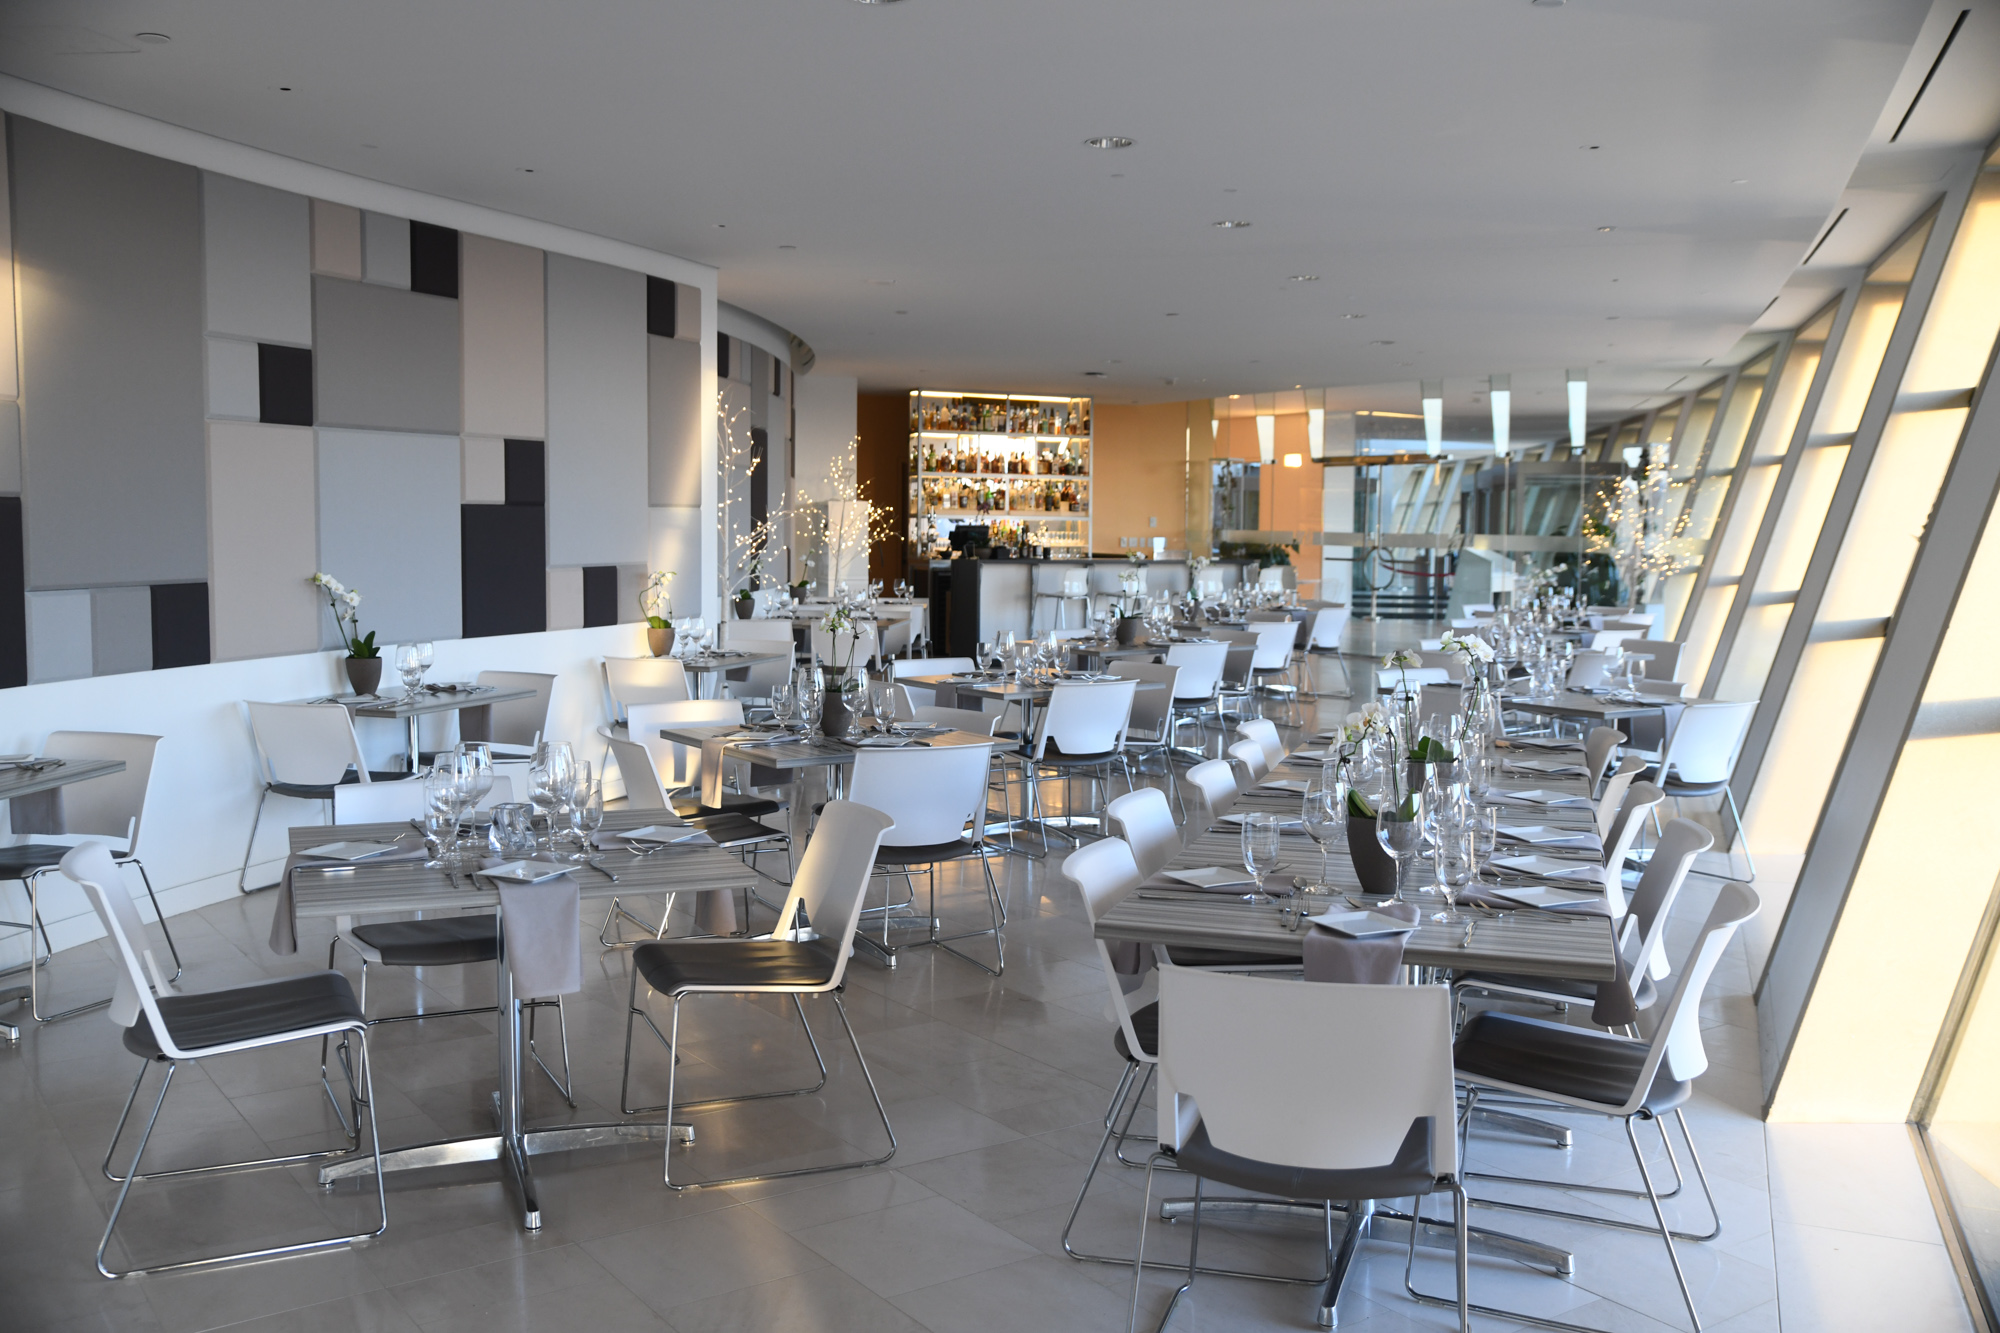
{"points": [[442, 942], [929, 854], [672, 967], [246, 1013], [1409, 1174], [1146, 1024], [1574, 1062], [690, 807], [1187, 956], [324, 791], [732, 829], [1584, 992]]}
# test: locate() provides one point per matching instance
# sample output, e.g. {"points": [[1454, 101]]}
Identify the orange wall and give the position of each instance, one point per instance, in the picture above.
{"points": [[1138, 474]]}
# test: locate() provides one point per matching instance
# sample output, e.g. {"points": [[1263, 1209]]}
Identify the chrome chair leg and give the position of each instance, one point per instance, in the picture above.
{"points": [[251, 845]]}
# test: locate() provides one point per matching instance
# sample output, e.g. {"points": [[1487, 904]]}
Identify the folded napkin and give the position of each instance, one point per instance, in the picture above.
{"points": [[1540, 743], [946, 695], [1296, 786], [1551, 867], [1552, 767], [1550, 898], [1548, 835], [1535, 797], [284, 919], [1285, 825], [1376, 961], [1208, 879], [624, 842], [544, 947]]}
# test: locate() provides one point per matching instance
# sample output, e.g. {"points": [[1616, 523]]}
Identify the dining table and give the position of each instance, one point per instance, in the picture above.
{"points": [[337, 892], [428, 700], [28, 779], [1576, 945], [706, 669]]}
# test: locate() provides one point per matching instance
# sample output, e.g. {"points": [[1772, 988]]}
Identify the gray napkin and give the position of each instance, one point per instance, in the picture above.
{"points": [[1377, 961], [284, 917], [544, 950], [946, 696]]}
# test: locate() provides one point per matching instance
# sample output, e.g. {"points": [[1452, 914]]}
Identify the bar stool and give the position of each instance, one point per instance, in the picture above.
{"points": [[1075, 587]]}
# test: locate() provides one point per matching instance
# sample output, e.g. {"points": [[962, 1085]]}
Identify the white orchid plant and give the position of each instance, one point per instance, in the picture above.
{"points": [[346, 605], [1470, 649], [839, 621], [654, 599]]}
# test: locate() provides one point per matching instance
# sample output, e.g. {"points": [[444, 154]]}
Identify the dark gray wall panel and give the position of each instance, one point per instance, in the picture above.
{"points": [[505, 569], [673, 422], [10, 447], [108, 248], [387, 358], [13, 597]]}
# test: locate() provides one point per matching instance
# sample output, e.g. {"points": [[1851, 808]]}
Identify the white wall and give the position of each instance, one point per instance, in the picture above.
{"points": [[826, 422], [204, 788]]}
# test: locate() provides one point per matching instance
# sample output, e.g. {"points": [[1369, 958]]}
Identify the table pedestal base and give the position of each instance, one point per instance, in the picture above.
{"points": [[12, 995]]}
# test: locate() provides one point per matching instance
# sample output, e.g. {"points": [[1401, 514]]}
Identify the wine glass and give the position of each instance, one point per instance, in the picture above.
{"points": [[1260, 845], [426, 654], [586, 811], [475, 760], [784, 704], [811, 699], [1457, 864], [1324, 814], [410, 667], [440, 823], [1400, 830]]}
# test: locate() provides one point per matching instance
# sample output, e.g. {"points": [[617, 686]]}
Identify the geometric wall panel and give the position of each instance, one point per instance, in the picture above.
{"points": [[121, 630], [385, 250], [232, 379], [660, 307], [527, 472], [506, 367], [600, 595], [10, 447], [597, 413], [284, 385], [387, 359], [257, 247], [483, 471], [673, 413], [10, 384], [566, 598], [433, 260], [505, 569], [180, 625], [687, 314], [58, 635], [108, 254], [263, 543], [336, 240], [389, 526], [13, 597]]}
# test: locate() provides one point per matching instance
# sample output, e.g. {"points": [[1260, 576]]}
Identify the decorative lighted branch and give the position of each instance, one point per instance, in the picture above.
{"points": [[749, 553], [1640, 523], [846, 523]]}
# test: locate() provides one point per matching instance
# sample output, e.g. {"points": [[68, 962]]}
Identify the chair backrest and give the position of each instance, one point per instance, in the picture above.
{"points": [[642, 781], [1076, 583], [1274, 643], [516, 721], [765, 636], [1152, 710], [1663, 689], [1645, 929], [1389, 680], [1612, 799], [1329, 623], [860, 642], [679, 765], [1273, 577], [379, 802], [1265, 732], [1454, 670], [892, 699], [1201, 668], [1237, 662], [1381, 1063], [922, 696], [964, 719], [833, 876], [1146, 822], [1085, 717], [932, 794], [1679, 1032], [1251, 756], [1587, 670], [113, 806], [1436, 703], [89, 866], [1605, 639], [1640, 798], [1662, 657], [1215, 780], [312, 745], [1706, 741], [1598, 747], [643, 680], [1103, 873]]}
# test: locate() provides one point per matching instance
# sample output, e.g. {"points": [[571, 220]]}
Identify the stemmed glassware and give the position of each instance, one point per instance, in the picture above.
{"points": [[409, 665], [550, 774], [440, 816], [586, 811], [784, 705], [1324, 814], [810, 695], [1399, 827], [1260, 845]]}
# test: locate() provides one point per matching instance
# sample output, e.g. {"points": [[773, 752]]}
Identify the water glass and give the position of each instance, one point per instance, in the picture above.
{"points": [[784, 704], [1260, 845], [512, 834], [1401, 833], [409, 665], [586, 812]]}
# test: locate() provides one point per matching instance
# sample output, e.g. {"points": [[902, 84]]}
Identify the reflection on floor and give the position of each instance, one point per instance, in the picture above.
{"points": [[996, 1088]]}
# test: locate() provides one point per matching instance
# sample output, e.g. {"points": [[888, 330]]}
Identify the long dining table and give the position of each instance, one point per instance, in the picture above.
{"points": [[333, 892]]}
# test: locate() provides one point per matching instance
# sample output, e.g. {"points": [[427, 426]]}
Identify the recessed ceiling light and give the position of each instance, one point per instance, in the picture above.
{"points": [[902, 312], [1093, 374], [1108, 141], [527, 170], [1232, 225], [285, 89], [874, 2], [1234, 396], [1354, 316], [1305, 277], [720, 226], [788, 247], [1546, 4], [1173, 314], [1383, 342], [1607, 229], [153, 37], [1611, 316]]}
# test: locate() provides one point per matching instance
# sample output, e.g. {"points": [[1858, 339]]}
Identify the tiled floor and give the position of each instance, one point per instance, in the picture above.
{"points": [[995, 1087]]}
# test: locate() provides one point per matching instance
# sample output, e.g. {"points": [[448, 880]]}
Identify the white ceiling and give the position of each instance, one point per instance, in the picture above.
{"points": [[1442, 166]]}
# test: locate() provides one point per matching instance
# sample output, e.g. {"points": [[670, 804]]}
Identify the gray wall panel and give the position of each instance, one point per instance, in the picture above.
{"points": [[385, 359], [388, 526], [385, 249], [58, 636], [121, 630], [259, 260], [234, 389], [10, 447], [262, 481], [108, 250], [597, 391], [673, 406]]}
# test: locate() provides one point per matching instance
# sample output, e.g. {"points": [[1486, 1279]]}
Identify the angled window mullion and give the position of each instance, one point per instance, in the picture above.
{"points": [[1698, 592]]}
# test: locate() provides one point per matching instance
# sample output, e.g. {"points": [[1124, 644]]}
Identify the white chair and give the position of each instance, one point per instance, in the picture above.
{"points": [[1604, 640], [1436, 704], [752, 684], [1587, 670], [1390, 680], [512, 729], [112, 806], [1618, 1077], [1150, 730], [679, 766], [1700, 757], [1145, 822], [1372, 1115], [1215, 781], [922, 696], [1329, 624], [1271, 662], [806, 955], [1197, 690], [1272, 578], [1611, 798], [644, 792], [1449, 663], [1265, 733], [1246, 761], [959, 719], [1074, 586], [937, 797], [1080, 730], [1598, 747], [304, 751], [643, 680], [1661, 657], [379, 802], [170, 1028], [1663, 689]]}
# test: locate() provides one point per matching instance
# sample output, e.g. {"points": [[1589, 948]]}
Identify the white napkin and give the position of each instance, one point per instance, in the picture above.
{"points": [[544, 949], [1211, 877], [1296, 786], [1552, 767], [1550, 867], [1535, 797], [1548, 835], [1558, 900], [1538, 743], [1284, 824]]}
